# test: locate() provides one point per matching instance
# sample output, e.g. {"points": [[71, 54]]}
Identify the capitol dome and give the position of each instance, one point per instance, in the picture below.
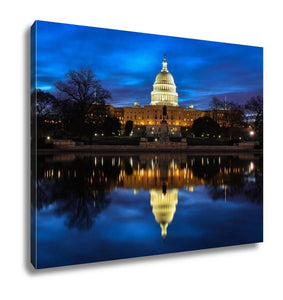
{"points": [[164, 77], [164, 88]]}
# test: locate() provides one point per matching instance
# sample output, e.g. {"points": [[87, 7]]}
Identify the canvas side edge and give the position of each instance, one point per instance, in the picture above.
{"points": [[33, 145]]}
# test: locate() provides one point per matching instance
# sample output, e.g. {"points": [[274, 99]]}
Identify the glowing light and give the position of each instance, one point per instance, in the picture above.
{"points": [[48, 138], [131, 161], [252, 133], [251, 167]]}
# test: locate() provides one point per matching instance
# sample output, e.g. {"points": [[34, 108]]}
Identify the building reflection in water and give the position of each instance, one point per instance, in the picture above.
{"points": [[162, 175], [163, 204]]}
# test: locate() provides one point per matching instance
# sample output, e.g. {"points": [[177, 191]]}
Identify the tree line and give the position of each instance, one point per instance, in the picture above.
{"points": [[237, 116], [77, 109]]}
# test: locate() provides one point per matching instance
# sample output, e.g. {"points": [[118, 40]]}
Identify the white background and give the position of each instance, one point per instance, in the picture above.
{"points": [[246, 272]]}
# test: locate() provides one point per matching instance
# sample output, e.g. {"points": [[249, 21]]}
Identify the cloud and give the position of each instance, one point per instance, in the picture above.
{"points": [[127, 63]]}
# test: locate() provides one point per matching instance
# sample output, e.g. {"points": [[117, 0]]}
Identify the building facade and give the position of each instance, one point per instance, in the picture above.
{"points": [[149, 117]]}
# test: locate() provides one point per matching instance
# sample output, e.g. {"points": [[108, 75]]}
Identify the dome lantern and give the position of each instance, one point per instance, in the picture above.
{"points": [[164, 64]]}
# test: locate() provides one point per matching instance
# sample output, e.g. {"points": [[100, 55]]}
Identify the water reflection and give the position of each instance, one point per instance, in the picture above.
{"points": [[163, 207], [150, 171], [80, 185], [82, 190]]}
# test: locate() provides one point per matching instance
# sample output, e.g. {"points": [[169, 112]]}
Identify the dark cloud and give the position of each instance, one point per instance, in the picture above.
{"points": [[127, 63]]}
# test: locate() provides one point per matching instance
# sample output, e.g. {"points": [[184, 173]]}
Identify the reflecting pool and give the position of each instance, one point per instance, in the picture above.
{"points": [[93, 208]]}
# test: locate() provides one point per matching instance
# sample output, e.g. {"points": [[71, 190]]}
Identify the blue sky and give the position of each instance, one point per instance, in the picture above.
{"points": [[127, 63]]}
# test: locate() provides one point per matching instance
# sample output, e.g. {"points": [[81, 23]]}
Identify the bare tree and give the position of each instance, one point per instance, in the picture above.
{"points": [[233, 113], [255, 106], [43, 113], [43, 102], [76, 95], [215, 103], [82, 88]]}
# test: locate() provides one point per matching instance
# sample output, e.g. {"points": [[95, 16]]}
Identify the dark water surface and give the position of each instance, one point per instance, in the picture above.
{"points": [[93, 208]]}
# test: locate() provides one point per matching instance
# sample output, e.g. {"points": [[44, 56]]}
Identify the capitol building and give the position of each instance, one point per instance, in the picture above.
{"points": [[150, 116], [147, 119]]}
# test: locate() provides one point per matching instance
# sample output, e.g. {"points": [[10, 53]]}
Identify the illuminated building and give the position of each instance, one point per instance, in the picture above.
{"points": [[149, 117], [164, 88]]}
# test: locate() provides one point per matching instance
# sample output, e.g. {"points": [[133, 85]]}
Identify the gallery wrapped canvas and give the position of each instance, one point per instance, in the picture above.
{"points": [[142, 144]]}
